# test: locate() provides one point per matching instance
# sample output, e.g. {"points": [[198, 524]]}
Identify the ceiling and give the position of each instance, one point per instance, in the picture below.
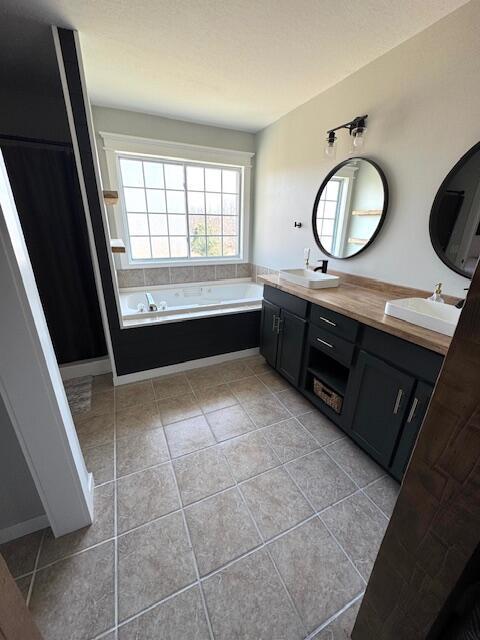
{"points": [[234, 63]]}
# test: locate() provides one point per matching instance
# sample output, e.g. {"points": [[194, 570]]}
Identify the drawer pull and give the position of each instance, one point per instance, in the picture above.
{"points": [[333, 324], [398, 401], [412, 410], [327, 344]]}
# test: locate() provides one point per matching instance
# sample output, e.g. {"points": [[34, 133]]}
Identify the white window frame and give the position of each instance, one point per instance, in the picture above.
{"points": [[118, 145]]}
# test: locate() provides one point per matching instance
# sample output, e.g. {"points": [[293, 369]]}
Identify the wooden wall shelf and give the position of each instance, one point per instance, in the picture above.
{"points": [[367, 212], [117, 245], [359, 241], [110, 197]]}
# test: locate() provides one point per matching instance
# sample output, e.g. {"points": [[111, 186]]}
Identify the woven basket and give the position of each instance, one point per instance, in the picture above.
{"points": [[327, 395]]}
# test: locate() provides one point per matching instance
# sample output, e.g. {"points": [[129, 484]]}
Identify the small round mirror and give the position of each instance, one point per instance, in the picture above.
{"points": [[455, 215], [350, 208]]}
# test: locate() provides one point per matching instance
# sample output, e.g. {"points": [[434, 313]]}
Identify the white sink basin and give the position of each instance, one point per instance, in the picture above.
{"points": [[309, 279], [436, 316]]}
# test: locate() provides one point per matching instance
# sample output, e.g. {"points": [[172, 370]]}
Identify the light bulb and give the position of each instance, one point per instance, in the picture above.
{"points": [[330, 146], [358, 138]]}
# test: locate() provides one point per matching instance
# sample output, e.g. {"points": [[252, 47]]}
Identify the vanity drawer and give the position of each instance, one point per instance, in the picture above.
{"points": [[335, 347], [295, 305], [334, 322]]}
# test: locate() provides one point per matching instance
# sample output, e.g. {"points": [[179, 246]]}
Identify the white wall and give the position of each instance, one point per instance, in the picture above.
{"points": [[423, 102], [19, 499], [145, 125]]}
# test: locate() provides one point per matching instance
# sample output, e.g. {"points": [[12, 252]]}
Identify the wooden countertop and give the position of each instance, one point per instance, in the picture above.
{"points": [[364, 300]]}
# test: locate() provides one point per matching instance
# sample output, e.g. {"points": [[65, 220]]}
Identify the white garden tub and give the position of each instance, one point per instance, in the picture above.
{"points": [[176, 303]]}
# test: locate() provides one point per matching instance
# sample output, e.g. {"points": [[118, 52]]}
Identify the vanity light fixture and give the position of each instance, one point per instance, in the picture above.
{"points": [[356, 127]]}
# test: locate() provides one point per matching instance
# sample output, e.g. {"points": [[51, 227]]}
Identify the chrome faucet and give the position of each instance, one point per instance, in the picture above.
{"points": [[150, 302]]}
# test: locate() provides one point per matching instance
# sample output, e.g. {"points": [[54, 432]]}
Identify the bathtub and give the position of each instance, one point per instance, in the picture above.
{"points": [[189, 301]]}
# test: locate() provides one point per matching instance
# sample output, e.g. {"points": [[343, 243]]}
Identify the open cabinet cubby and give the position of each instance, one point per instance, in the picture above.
{"points": [[327, 370]]}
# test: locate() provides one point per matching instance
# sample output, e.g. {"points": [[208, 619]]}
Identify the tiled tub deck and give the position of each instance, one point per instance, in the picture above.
{"points": [[227, 507]]}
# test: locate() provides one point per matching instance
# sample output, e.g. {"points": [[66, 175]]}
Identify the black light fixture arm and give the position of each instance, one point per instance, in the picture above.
{"points": [[357, 122]]}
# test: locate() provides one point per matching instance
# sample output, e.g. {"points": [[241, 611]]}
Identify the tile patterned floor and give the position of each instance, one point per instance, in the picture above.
{"points": [[227, 507]]}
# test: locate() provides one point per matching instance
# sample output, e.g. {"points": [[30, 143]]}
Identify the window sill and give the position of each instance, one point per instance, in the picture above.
{"points": [[183, 263]]}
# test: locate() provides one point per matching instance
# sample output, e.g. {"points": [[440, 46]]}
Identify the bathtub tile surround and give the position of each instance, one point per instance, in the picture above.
{"points": [[244, 534], [154, 276]]}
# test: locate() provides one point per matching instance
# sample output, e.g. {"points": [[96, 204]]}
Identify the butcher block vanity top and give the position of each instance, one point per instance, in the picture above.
{"points": [[364, 299]]}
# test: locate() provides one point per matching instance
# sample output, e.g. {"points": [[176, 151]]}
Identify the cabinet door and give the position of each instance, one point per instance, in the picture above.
{"points": [[290, 346], [381, 395], [269, 332], [415, 415]]}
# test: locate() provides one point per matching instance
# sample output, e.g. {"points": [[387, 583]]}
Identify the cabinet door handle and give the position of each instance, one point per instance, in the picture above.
{"points": [[333, 324], [398, 401], [279, 324], [327, 344], [274, 324], [412, 410]]}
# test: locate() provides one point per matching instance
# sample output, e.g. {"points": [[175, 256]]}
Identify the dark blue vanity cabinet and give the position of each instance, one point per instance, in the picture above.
{"points": [[374, 386]]}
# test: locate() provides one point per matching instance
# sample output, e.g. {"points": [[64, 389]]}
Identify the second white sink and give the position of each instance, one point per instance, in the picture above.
{"points": [[436, 316], [309, 279]]}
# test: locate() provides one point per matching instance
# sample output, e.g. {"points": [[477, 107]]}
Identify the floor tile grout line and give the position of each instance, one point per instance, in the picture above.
{"points": [[330, 532], [311, 636], [361, 489], [189, 538], [267, 551], [35, 568]]}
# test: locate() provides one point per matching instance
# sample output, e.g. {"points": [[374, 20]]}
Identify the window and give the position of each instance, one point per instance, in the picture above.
{"points": [[176, 210], [328, 211]]}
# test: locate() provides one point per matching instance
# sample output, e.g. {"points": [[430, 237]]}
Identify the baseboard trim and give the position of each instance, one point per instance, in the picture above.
{"points": [[23, 528], [93, 367], [184, 366]]}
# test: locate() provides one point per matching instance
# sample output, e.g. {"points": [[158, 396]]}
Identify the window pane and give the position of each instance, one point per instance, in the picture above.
{"points": [[326, 242], [140, 248], [177, 225], [214, 203], [230, 181], [230, 225], [156, 201], [158, 225], [214, 225], [332, 189], [138, 224], [135, 200], [330, 209], [230, 247], [230, 205], [327, 227], [320, 209], [160, 248], [178, 247], [174, 176], [214, 246], [132, 175], [198, 247], [197, 225], [213, 180], [195, 178], [153, 174], [176, 202], [196, 202]]}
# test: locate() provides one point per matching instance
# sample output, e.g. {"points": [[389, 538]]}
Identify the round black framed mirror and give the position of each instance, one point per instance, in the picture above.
{"points": [[455, 215], [350, 208]]}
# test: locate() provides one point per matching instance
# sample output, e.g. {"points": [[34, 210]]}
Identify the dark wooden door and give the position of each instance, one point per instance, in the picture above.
{"points": [[269, 332], [382, 396], [290, 347], [415, 414], [16, 621]]}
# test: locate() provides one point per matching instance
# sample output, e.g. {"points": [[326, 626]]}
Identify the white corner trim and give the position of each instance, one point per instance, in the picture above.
{"points": [[23, 528], [93, 367], [184, 366], [168, 148]]}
